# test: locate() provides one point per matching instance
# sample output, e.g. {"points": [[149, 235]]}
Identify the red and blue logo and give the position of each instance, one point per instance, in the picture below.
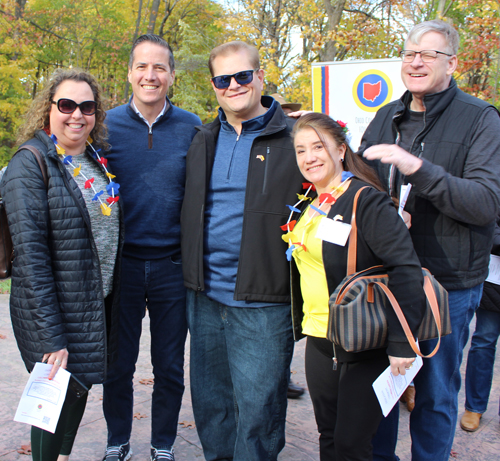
{"points": [[372, 90]]}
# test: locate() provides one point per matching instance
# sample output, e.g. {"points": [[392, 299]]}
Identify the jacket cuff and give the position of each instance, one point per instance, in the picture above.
{"points": [[423, 179], [400, 349]]}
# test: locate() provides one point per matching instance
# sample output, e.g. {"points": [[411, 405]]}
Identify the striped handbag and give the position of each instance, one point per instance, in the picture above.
{"points": [[357, 320]]}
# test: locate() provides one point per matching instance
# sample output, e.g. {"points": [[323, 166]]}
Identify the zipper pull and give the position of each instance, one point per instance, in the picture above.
{"points": [[334, 363], [422, 145]]}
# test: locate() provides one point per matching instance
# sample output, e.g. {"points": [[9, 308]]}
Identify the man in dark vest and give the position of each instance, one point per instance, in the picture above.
{"points": [[447, 145]]}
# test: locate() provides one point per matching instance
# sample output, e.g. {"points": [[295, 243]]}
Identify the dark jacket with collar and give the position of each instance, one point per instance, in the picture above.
{"points": [[455, 194], [56, 299], [263, 273], [382, 239]]}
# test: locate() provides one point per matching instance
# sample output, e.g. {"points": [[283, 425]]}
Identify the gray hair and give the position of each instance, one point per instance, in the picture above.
{"points": [[441, 27], [157, 40]]}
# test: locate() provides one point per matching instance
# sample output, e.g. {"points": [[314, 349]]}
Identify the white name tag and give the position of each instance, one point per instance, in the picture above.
{"points": [[332, 231]]}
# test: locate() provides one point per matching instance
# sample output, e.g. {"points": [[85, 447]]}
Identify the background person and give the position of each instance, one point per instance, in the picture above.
{"points": [[345, 406], [447, 145], [481, 358], [64, 280]]}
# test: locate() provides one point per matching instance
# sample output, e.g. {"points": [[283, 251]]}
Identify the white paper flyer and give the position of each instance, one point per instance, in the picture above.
{"points": [[42, 400], [390, 388]]}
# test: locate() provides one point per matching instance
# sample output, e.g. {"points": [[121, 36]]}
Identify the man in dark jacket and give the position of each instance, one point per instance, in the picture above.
{"points": [[240, 174], [447, 145]]}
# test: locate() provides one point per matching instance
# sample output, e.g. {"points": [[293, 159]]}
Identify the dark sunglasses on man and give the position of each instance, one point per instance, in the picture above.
{"points": [[68, 106], [221, 82]]}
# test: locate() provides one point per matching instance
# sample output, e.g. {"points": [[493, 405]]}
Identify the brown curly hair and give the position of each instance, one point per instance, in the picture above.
{"points": [[37, 116]]}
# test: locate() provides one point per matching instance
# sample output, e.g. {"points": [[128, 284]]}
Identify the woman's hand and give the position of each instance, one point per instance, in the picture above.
{"points": [[56, 359], [299, 113], [406, 218], [399, 365]]}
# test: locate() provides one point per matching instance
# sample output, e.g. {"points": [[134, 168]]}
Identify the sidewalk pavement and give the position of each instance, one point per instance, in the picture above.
{"points": [[301, 433]]}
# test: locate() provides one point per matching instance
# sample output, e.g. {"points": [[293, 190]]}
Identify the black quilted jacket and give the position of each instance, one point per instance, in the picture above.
{"points": [[56, 298]]}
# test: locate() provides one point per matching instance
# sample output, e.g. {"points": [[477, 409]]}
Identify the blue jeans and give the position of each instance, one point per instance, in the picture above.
{"points": [[480, 361], [433, 420], [158, 285], [240, 368]]}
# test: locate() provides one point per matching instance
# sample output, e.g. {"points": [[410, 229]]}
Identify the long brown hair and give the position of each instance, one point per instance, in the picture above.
{"points": [[38, 115], [323, 124]]}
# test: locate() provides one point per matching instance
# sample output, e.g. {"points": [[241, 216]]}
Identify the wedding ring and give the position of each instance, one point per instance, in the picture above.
{"points": [[57, 362], [409, 366]]}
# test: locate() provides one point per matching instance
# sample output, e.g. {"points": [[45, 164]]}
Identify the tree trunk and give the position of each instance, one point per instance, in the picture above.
{"points": [[19, 10], [334, 14], [136, 34], [152, 16]]}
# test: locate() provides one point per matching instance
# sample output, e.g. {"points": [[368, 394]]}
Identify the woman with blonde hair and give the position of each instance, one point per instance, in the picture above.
{"points": [[65, 225]]}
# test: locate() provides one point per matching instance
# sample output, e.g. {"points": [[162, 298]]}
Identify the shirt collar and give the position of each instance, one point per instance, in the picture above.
{"points": [[137, 111]]}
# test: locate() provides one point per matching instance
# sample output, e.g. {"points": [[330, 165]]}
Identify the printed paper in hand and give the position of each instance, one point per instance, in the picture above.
{"points": [[390, 388], [403, 197], [494, 270], [42, 400]]}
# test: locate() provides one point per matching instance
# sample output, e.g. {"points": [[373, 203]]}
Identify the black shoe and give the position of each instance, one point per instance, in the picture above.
{"points": [[294, 391], [118, 453]]}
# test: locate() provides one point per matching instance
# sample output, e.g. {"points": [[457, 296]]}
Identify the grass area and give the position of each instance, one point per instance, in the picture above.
{"points": [[5, 286]]}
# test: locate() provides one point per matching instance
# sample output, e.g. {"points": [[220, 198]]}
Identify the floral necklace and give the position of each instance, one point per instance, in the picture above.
{"points": [[325, 198], [111, 188]]}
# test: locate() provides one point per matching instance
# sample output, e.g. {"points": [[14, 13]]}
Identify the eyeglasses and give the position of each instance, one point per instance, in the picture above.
{"points": [[426, 55], [244, 77], [68, 106]]}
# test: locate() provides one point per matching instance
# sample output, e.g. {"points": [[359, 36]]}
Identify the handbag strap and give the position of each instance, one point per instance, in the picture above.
{"points": [[431, 297], [428, 288], [39, 159], [352, 249]]}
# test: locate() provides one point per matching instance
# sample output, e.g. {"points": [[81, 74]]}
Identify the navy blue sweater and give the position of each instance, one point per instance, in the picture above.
{"points": [[150, 166]]}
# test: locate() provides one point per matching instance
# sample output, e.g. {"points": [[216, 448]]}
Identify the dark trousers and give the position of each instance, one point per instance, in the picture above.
{"points": [[158, 285], [46, 446], [345, 406]]}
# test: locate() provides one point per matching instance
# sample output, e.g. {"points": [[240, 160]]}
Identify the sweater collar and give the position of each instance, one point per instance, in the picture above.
{"points": [[276, 123], [255, 124], [164, 114]]}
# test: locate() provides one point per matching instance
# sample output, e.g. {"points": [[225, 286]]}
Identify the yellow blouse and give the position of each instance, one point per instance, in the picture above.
{"points": [[312, 275]]}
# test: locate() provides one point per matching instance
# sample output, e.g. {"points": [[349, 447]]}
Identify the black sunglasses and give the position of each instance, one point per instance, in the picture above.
{"points": [[244, 77], [68, 106]]}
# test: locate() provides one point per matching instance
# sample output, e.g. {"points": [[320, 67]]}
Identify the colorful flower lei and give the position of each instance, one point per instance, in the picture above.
{"points": [[112, 188], [326, 197]]}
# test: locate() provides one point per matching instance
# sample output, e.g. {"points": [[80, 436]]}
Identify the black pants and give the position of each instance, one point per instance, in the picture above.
{"points": [[345, 406], [46, 446]]}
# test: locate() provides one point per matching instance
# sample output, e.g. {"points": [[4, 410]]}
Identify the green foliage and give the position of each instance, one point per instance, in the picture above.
{"points": [[40, 35], [5, 286]]}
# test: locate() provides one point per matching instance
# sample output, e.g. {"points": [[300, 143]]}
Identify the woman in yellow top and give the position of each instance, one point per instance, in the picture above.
{"points": [[340, 383]]}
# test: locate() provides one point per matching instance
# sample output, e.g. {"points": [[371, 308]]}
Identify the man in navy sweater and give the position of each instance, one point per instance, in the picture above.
{"points": [[149, 140]]}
